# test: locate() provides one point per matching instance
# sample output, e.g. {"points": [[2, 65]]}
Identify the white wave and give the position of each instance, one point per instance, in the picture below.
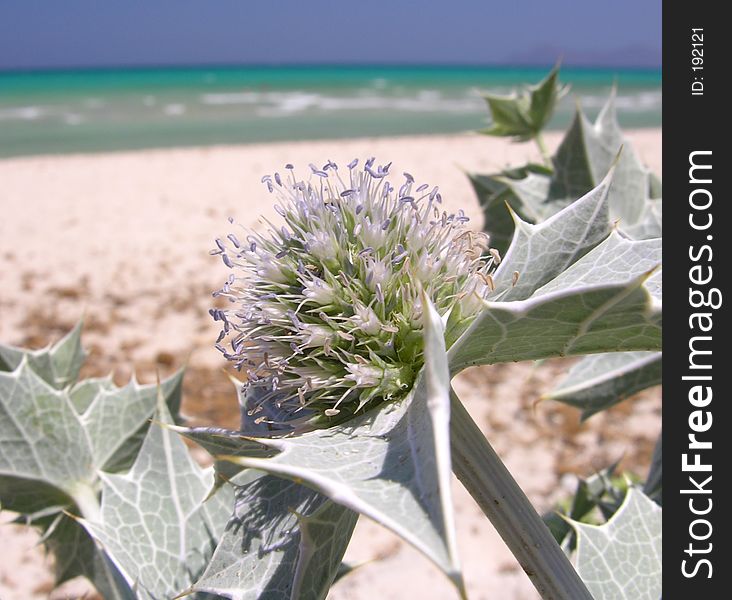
{"points": [[174, 110], [297, 102], [223, 99], [73, 119], [21, 113], [640, 102], [294, 102], [429, 95]]}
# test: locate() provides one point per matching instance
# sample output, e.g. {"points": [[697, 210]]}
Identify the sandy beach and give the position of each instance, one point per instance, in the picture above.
{"points": [[122, 239]]}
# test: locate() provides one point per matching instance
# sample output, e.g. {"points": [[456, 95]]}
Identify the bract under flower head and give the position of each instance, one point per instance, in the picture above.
{"points": [[328, 317]]}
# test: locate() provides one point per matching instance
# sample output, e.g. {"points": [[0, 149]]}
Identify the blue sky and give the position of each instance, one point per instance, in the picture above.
{"points": [[98, 33]]}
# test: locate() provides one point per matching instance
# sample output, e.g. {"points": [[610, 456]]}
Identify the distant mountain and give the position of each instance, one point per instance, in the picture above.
{"points": [[634, 55]]}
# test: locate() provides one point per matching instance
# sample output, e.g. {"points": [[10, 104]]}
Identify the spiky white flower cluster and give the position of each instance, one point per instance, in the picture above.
{"points": [[328, 312]]}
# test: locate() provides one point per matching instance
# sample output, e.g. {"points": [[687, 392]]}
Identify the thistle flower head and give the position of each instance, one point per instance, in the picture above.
{"points": [[327, 311]]}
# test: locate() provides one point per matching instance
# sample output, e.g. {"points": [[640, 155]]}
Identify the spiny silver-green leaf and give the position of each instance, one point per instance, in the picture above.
{"points": [[284, 541], [534, 194], [58, 365], [621, 560], [324, 537], [389, 464], [284, 571], [607, 301], [649, 225], [82, 394], [538, 253], [218, 441], [544, 97], [36, 422], [153, 525], [597, 490], [582, 320], [437, 383], [615, 260], [524, 114], [77, 554], [494, 195], [117, 419], [582, 160], [600, 381], [587, 153], [382, 465], [54, 441], [655, 189]]}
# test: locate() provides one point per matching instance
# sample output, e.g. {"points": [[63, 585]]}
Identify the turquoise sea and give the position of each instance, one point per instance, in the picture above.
{"points": [[101, 110]]}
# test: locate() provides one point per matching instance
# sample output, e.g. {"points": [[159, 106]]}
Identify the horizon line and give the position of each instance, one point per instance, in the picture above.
{"points": [[304, 65]]}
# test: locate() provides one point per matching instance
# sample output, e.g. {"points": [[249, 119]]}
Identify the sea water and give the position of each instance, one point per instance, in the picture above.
{"points": [[103, 110]]}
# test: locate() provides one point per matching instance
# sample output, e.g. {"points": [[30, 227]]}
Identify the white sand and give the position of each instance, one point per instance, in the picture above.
{"points": [[123, 238]]}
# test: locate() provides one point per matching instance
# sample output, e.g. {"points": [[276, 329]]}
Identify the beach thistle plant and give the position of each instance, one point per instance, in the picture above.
{"points": [[327, 316], [348, 320]]}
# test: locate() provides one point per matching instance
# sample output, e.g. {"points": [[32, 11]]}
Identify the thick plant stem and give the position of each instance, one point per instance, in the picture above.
{"points": [[87, 501], [485, 476], [539, 139]]}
